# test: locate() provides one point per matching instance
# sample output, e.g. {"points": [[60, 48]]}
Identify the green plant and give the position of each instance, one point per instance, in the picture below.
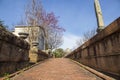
{"points": [[58, 53], [6, 75], [2, 25]]}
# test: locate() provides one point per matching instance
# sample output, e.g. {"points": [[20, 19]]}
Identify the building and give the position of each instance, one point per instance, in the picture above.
{"points": [[35, 34]]}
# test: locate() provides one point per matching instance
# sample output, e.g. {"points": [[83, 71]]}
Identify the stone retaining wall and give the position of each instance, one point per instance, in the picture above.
{"points": [[102, 52], [14, 52]]}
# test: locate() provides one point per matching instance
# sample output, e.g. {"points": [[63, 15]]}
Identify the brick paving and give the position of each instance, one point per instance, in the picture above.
{"points": [[56, 69]]}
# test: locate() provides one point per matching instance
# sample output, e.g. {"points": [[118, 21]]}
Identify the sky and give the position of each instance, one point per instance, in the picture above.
{"points": [[76, 16]]}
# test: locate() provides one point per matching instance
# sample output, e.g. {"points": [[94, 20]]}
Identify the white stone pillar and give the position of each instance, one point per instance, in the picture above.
{"points": [[99, 16]]}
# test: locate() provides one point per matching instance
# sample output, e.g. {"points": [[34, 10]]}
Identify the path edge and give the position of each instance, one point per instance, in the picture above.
{"points": [[97, 73], [22, 70]]}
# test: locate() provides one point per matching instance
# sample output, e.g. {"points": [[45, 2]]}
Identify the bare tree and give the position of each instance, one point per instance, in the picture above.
{"points": [[89, 34], [36, 16], [86, 36], [79, 42], [55, 39], [33, 14]]}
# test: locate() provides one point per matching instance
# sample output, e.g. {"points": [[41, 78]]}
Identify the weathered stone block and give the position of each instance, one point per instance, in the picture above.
{"points": [[14, 52], [5, 52]]}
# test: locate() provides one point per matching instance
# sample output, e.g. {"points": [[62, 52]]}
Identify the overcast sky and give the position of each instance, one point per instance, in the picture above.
{"points": [[76, 16]]}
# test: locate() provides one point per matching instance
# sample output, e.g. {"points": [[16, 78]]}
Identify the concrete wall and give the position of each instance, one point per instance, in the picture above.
{"points": [[14, 52], [101, 52]]}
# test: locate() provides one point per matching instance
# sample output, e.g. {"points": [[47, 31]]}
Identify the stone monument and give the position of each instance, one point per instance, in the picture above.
{"points": [[99, 16]]}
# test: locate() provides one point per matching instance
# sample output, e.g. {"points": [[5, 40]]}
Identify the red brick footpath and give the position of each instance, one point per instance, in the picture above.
{"points": [[56, 69]]}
